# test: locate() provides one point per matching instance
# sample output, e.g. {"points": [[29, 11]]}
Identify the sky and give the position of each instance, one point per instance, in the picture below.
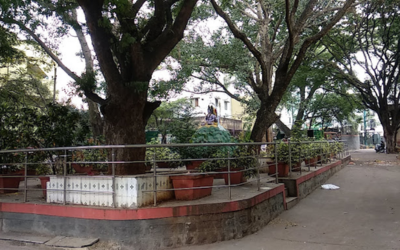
{"points": [[68, 48]]}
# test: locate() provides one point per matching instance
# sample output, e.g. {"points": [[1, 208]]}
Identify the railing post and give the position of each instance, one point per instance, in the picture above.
{"points": [[276, 163], [113, 177], [290, 158], [154, 178], [322, 153], [257, 168], [65, 177], [26, 178], [299, 143], [229, 175], [309, 155]]}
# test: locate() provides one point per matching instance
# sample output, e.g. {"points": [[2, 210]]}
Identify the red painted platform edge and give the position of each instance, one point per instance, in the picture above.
{"points": [[318, 172], [71, 211]]}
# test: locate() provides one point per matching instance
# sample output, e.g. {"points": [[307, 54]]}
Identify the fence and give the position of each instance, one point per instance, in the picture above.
{"points": [[261, 163]]}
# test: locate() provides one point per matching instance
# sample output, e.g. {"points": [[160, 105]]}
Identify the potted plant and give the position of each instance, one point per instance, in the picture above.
{"points": [[42, 170], [89, 161], [338, 147], [310, 154], [197, 155], [322, 149], [240, 159], [9, 183], [163, 156], [244, 162], [296, 154], [282, 154], [12, 174]]}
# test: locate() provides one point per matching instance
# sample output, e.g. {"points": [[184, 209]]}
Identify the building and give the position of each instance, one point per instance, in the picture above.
{"points": [[229, 111]]}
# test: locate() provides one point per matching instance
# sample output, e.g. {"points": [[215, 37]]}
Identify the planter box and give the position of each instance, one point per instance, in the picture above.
{"points": [[163, 165], [9, 182], [236, 177], [192, 165], [191, 182], [79, 169], [312, 162], [283, 169], [22, 172], [296, 167]]}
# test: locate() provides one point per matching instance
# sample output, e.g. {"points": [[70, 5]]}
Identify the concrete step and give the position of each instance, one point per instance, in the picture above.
{"points": [[291, 202], [57, 241]]}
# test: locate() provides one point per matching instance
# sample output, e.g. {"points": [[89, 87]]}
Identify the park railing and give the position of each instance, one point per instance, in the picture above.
{"points": [[89, 175]]}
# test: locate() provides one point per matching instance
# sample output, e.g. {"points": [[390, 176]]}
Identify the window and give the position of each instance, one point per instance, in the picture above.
{"points": [[226, 105], [195, 102], [216, 102]]}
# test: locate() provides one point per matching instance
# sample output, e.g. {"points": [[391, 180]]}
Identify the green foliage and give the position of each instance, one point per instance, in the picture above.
{"points": [[207, 135], [309, 150], [174, 118], [239, 157], [210, 135], [59, 126], [95, 158], [162, 154]]}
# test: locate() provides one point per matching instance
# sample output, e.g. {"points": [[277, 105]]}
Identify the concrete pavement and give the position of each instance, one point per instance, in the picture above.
{"points": [[363, 214]]}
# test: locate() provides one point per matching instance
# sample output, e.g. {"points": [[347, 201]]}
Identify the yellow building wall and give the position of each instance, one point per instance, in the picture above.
{"points": [[237, 110]]}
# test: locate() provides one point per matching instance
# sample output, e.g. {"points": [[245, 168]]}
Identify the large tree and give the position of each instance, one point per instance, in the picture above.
{"points": [[284, 34], [272, 41], [318, 97], [130, 39], [372, 49]]}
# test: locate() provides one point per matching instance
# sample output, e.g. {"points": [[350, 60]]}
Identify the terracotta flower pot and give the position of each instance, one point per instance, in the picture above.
{"points": [[43, 184], [272, 168], [235, 176], [296, 167], [9, 182], [283, 169], [192, 165], [79, 169], [191, 182], [312, 162], [163, 165], [22, 172]]}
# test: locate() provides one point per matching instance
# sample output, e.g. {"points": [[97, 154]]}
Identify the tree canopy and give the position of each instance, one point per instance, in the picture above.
{"points": [[258, 51], [369, 43], [130, 40]]}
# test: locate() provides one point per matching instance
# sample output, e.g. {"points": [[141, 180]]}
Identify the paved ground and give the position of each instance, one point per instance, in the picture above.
{"points": [[363, 214]]}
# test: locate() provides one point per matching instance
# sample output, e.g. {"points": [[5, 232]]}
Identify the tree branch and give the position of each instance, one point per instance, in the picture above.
{"points": [[44, 47], [237, 33]]}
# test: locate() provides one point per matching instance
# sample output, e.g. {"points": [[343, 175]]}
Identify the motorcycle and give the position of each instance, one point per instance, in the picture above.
{"points": [[379, 148]]}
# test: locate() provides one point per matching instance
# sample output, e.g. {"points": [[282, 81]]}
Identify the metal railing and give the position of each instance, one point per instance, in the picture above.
{"points": [[223, 159]]}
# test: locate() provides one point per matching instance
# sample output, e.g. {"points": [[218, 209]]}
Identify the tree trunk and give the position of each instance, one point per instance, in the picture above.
{"points": [[95, 119], [265, 118], [390, 139], [269, 137], [125, 124]]}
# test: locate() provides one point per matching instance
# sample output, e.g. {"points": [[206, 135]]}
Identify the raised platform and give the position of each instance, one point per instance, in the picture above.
{"points": [[302, 184], [170, 224]]}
